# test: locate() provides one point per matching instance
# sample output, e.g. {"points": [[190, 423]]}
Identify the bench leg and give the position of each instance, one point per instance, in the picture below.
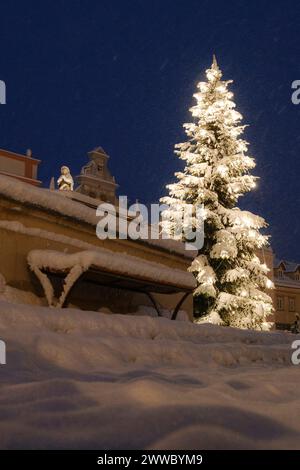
{"points": [[176, 309], [154, 303]]}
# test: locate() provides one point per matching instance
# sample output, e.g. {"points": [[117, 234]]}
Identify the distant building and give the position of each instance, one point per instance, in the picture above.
{"points": [[287, 292], [22, 167]]}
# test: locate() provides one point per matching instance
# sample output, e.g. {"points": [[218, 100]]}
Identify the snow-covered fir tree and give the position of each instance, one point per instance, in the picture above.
{"points": [[231, 280]]}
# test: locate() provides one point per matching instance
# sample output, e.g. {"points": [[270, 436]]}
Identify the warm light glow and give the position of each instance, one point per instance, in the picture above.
{"points": [[222, 170], [252, 234]]}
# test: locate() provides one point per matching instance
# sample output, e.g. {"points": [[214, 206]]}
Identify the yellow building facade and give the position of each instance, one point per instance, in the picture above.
{"points": [[287, 292]]}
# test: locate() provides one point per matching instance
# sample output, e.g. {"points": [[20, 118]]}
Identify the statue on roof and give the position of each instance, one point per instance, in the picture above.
{"points": [[65, 181]]}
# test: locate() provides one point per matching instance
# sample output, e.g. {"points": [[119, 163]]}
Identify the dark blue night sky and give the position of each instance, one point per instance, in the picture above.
{"points": [[121, 74]]}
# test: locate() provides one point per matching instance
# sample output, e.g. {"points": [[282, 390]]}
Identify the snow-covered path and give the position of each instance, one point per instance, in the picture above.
{"points": [[77, 379]]}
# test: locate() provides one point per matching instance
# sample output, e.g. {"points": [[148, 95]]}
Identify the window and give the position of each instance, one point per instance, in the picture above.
{"points": [[280, 302], [100, 169], [280, 274], [292, 304], [297, 276]]}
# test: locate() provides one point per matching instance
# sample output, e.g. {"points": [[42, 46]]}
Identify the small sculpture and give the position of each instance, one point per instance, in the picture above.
{"points": [[65, 181], [52, 184]]}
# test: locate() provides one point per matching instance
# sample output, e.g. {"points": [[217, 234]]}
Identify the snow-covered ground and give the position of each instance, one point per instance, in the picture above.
{"points": [[77, 379]]}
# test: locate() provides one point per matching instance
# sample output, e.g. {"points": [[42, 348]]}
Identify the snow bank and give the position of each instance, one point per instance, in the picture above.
{"points": [[78, 379], [18, 296], [146, 310]]}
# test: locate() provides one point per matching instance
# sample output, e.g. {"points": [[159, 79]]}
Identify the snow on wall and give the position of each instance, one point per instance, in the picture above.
{"points": [[119, 263], [54, 201], [18, 227]]}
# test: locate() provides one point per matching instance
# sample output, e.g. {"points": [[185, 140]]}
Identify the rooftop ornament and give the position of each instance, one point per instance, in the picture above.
{"points": [[65, 181]]}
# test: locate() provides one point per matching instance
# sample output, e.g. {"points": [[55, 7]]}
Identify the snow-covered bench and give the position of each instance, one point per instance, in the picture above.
{"points": [[111, 269]]}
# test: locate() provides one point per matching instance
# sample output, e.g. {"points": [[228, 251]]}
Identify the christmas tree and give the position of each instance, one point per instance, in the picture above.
{"points": [[231, 280]]}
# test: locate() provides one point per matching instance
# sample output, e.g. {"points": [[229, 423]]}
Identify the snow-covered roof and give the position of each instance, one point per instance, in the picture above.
{"points": [[112, 261], [53, 201], [107, 261], [289, 266], [45, 199], [285, 280], [277, 262]]}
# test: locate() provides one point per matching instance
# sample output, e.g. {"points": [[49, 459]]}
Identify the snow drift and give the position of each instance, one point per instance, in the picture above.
{"points": [[77, 379]]}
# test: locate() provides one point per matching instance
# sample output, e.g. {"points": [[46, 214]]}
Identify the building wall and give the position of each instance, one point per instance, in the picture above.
{"points": [[40, 227], [19, 166], [287, 304], [284, 309], [12, 166]]}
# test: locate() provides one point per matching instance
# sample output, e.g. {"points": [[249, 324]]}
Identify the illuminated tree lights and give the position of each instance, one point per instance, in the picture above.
{"points": [[231, 279]]}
